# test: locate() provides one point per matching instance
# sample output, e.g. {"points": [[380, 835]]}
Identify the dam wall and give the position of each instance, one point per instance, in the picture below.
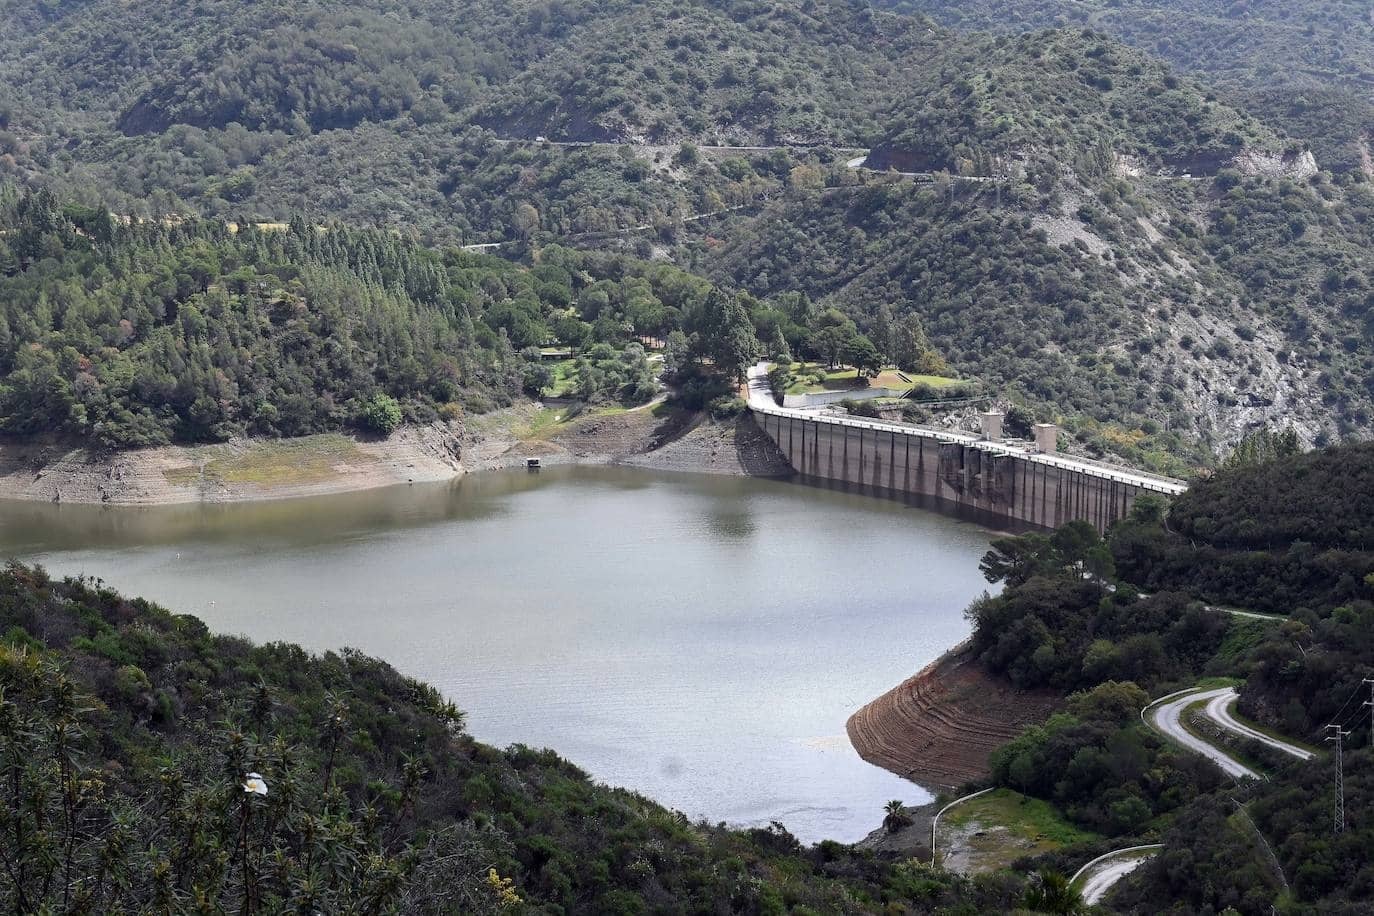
{"points": [[988, 479]]}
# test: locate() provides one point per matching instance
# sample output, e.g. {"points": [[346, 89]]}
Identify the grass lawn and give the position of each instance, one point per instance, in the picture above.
{"points": [[846, 378], [994, 830], [564, 379]]}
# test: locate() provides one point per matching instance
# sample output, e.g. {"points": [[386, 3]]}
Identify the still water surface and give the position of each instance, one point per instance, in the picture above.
{"points": [[699, 639]]}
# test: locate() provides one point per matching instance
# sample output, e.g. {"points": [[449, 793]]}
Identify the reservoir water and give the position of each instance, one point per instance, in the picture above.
{"points": [[699, 639]]}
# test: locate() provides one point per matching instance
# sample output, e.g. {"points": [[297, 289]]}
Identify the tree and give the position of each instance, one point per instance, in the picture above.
{"points": [[860, 353], [779, 378], [1014, 560], [726, 334], [911, 349], [778, 350], [381, 414], [676, 353], [831, 332], [896, 816], [1050, 892]]}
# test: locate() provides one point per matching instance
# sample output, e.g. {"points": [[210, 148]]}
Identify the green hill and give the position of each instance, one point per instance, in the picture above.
{"points": [[1304, 67]]}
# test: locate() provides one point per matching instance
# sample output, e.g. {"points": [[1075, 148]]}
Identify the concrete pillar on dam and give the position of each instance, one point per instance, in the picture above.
{"points": [[1046, 438], [991, 425]]}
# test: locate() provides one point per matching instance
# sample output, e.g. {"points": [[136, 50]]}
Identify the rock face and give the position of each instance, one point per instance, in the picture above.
{"points": [[939, 727], [1294, 166]]}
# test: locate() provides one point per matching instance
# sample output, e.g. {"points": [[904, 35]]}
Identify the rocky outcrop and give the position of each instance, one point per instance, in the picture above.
{"points": [[1295, 166], [939, 727]]}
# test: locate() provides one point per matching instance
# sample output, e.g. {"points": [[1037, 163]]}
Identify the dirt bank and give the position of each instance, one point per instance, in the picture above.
{"points": [[939, 727], [257, 469]]}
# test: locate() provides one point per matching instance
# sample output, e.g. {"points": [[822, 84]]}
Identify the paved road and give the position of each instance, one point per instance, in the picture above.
{"points": [[1166, 718], [1251, 615], [1101, 874], [1219, 711], [761, 401]]}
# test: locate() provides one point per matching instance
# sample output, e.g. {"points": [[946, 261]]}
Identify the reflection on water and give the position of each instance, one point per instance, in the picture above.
{"points": [[699, 639]]}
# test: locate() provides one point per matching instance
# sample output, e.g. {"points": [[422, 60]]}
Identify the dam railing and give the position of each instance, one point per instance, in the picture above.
{"points": [[1088, 467]]}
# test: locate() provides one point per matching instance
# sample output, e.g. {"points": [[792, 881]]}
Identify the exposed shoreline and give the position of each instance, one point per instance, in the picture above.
{"points": [[939, 726], [251, 470]]}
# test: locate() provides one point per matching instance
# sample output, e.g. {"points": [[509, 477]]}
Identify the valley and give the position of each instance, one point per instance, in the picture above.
{"points": [[686, 456]]}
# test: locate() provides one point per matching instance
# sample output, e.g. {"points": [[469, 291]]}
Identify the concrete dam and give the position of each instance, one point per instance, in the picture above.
{"points": [[1031, 485]]}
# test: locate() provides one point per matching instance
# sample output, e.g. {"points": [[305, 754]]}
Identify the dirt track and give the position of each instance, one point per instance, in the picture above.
{"points": [[939, 727]]}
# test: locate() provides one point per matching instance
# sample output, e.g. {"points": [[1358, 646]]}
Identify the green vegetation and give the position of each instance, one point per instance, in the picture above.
{"points": [[1152, 319], [813, 377], [1011, 826], [135, 744], [1304, 68], [148, 333], [1048, 94], [381, 414], [268, 463], [1071, 618], [385, 112]]}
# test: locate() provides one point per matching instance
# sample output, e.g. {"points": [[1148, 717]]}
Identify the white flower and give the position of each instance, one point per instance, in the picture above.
{"points": [[253, 784]]}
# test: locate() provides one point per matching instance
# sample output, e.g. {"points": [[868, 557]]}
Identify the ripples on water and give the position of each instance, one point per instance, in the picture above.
{"points": [[699, 639]]}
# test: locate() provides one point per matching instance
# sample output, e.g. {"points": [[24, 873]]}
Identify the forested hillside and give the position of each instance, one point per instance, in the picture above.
{"points": [[1304, 67], [147, 333], [1071, 618], [1130, 251], [383, 113], [153, 765]]}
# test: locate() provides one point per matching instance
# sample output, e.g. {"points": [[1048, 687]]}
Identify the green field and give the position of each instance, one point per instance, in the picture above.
{"points": [[564, 379], [845, 378], [996, 829]]}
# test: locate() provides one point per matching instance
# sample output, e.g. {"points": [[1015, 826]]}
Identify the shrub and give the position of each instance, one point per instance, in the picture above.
{"points": [[380, 414]]}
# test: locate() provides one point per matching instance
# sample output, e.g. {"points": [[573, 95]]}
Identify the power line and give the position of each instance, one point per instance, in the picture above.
{"points": [[1370, 703], [1338, 821], [1316, 732]]}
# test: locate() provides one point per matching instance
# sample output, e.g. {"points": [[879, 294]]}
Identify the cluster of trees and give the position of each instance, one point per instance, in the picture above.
{"points": [[1101, 766], [381, 112], [151, 765], [142, 334], [1063, 621], [1288, 534]]}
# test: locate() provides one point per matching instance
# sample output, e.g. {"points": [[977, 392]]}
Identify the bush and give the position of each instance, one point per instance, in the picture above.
{"points": [[725, 407], [381, 414]]}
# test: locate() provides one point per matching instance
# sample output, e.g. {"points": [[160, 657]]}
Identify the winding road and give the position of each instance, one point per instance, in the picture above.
{"points": [[1099, 875], [1166, 717], [1219, 711]]}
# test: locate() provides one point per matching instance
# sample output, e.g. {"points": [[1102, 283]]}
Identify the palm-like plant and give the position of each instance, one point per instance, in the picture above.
{"points": [[1050, 892], [896, 817]]}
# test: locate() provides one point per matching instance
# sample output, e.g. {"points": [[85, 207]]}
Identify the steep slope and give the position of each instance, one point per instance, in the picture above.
{"points": [[381, 112], [1058, 94], [1159, 270], [1305, 67]]}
